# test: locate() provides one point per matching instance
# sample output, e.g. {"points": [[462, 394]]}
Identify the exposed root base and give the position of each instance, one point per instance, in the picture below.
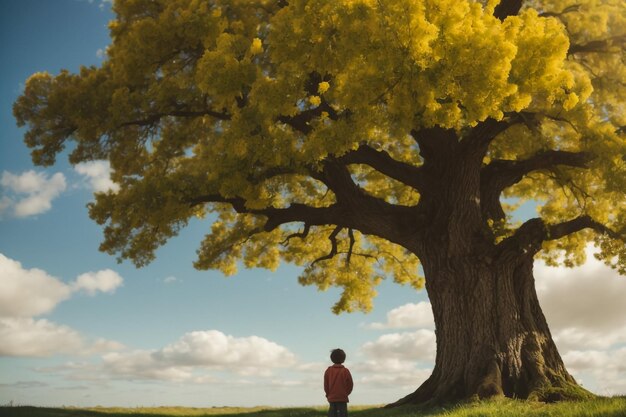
{"points": [[425, 395], [570, 392]]}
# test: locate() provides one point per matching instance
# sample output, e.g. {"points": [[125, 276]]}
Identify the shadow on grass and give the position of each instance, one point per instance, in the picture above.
{"points": [[28, 411], [600, 407]]}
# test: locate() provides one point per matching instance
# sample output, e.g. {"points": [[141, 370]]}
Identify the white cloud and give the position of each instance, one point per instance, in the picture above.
{"points": [[607, 368], [32, 192], [585, 309], [407, 379], [27, 293], [410, 346], [171, 280], [214, 348], [398, 360], [105, 4], [383, 365], [200, 351], [32, 292], [590, 297], [5, 204], [28, 337], [141, 365], [408, 315], [92, 282], [102, 4], [23, 336], [586, 312], [98, 173], [575, 338]]}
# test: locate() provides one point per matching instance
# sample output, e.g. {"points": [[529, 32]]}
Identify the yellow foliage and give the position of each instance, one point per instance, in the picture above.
{"points": [[323, 87], [256, 47], [247, 100]]}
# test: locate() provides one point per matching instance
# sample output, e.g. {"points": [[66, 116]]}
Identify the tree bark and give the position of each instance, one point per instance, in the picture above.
{"points": [[492, 337]]}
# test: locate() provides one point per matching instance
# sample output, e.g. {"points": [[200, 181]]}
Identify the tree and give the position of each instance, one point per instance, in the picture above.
{"points": [[365, 139]]}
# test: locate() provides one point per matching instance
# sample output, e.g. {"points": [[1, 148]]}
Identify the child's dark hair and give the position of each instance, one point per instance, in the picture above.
{"points": [[337, 356]]}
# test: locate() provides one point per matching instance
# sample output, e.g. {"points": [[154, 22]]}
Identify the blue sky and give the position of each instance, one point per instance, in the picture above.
{"points": [[76, 328]]}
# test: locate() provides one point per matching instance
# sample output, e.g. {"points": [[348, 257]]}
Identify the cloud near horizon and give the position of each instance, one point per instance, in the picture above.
{"points": [[30, 193], [586, 310], [198, 357], [584, 305], [28, 293]]}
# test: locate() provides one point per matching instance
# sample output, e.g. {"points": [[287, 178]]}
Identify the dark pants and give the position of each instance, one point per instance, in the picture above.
{"points": [[338, 410]]}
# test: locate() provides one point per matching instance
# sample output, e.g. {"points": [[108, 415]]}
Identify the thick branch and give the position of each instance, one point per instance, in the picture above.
{"points": [[568, 9], [354, 209], [296, 212], [560, 230], [507, 8], [382, 162], [602, 45], [511, 171], [478, 138], [337, 177], [534, 232], [368, 214], [300, 121], [269, 173], [156, 117], [501, 174], [434, 142]]}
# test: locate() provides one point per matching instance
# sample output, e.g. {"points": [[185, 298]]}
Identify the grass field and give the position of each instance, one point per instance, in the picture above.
{"points": [[601, 407]]}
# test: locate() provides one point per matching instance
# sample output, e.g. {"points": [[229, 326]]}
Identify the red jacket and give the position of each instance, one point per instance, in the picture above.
{"points": [[337, 384]]}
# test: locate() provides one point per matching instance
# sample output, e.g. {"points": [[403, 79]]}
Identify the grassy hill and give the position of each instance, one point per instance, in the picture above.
{"points": [[600, 407]]}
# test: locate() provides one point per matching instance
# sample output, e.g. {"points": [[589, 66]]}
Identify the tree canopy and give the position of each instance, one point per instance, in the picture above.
{"points": [[318, 132]]}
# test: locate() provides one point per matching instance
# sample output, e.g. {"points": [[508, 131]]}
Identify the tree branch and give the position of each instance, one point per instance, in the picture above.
{"points": [[478, 138], [337, 177], [501, 174], [382, 162], [534, 232], [300, 121], [507, 8], [269, 173], [560, 230], [156, 117], [333, 250], [435, 141], [351, 236], [439, 147], [296, 212], [568, 9], [601, 45], [354, 208], [301, 235]]}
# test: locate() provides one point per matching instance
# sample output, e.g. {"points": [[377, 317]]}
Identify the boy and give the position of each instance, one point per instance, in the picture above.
{"points": [[337, 384]]}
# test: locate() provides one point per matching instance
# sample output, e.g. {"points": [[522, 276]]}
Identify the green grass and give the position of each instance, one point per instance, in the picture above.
{"points": [[599, 407]]}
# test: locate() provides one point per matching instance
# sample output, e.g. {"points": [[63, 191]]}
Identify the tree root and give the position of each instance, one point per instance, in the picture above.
{"points": [[544, 387]]}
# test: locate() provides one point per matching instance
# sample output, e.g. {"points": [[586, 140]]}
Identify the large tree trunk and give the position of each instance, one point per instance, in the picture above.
{"points": [[492, 337]]}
